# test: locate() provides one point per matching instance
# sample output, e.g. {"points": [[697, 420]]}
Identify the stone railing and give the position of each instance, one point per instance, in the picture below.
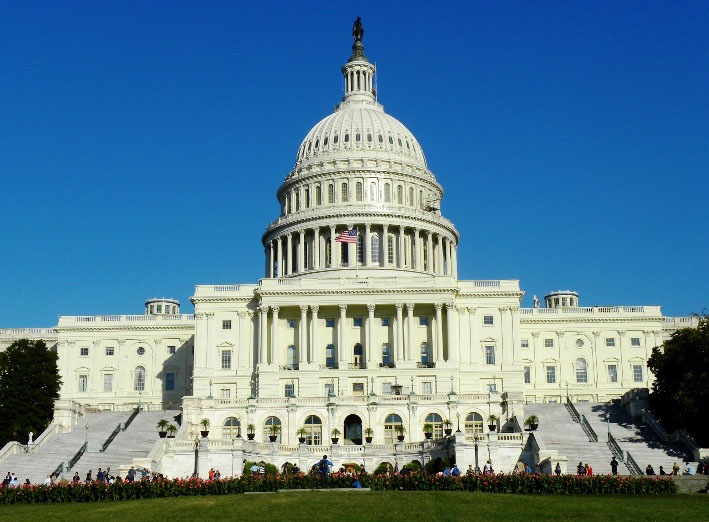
{"points": [[691, 321], [110, 320], [591, 310], [22, 332]]}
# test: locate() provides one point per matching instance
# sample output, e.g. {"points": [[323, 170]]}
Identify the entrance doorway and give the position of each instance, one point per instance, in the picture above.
{"points": [[353, 430]]}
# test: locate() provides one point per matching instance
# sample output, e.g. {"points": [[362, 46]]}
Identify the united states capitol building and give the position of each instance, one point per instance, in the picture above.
{"points": [[359, 324]]}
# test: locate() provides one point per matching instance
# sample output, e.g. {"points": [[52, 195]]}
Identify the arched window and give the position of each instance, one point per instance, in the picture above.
{"points": [[268, 427], [581, 370], [344, 194], [360, 249], [307, 197], [387, 193], [318, 195], [425, 353], [411, 197], [313, 430], [231, 429], [335, 139], [297, 200], [437, 421], [358, 191], [390, 424], [473, 424], [375, 248], [330, 356], [390, 249], [420, 197], [286, 203], [358, 355], [139, 384], [291, 356], [347, 138], [373, 192], [331, 193], [400, 195], [386, 354]]}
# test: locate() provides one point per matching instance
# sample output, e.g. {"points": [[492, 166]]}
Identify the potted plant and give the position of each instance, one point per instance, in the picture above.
{"points": [[171, 430], [368, 434], [400, 432], [532, 421], [492, 421], [448, 426], [301, 435], [251, 431], [205, 427], [162, 428], [335, 435], [428, 430], [273, 432]]}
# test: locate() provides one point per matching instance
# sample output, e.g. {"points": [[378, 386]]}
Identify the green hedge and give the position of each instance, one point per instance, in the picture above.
{"points": [[417, 481]]}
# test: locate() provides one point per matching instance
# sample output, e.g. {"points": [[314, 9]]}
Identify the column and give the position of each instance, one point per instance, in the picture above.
{"points": [[452, 332], [367, 243], [270, 259], [262, 339], [342, 349], [410, 351], [289, 255], [301, 251], [429, 254], [474, 357], [439, 256], [316, 356], [385, 245], [371, 351], [454, 260], [316, 248], [621, 364], [279, 250], [302, 338], [334, 257], [445, 256], [400, 248], [399, 332], [417, 250], [275, 350], [439, 331]]}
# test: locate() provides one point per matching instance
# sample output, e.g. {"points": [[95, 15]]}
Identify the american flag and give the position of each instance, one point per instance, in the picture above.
{"points": [[347, 236]]}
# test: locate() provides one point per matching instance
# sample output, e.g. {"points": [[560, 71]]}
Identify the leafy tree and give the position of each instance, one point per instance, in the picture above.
{"points": [[680, 393], [29, 385]]}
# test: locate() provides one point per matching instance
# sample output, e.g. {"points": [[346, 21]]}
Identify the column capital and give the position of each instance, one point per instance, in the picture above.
{"points": [[367, 226], [250, 314], [399, 306], [315, 308], [279, 238], [289, 234], [343, 308], [513, 308], [472, 310], [450, 307], [596, 333], [242, 314], [410, 307], [332, 228], [503, 308], [535, 334], [621, 333], [385, 226], [303, 309], [199, 315], [276, 309], [301, 231], [370, 308], [438, 306], [263, 309], [560, 333]]}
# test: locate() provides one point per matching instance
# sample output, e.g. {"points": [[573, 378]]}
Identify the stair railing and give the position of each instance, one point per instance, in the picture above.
{"points": [[76, 456], [632, 465], [588, 429], [131, 418], [110, 438], [59, 470], [572, 410], [615, 447]]}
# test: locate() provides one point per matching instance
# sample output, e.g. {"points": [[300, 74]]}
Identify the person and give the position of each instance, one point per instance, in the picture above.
{"points": [[324, 469], [487, 469], [107, 473], [662, 471], [589, 470], [356, 484], [296, 469], [14, 482], [470, 470], [675, 469], [49, 480], [649, 470], [211, 474], [557, 469], [131, 474], [527, 469], [580, 469], [447, 471], [217, 475], [455, 471], [254, 469], [262, 468], [76, 477], [6, 480], [99, 475], [88, 476], [614, 466], [27, 482], [687, 470]]}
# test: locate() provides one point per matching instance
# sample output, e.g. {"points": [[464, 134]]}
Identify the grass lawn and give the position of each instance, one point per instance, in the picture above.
{"points": [[386, 505]]}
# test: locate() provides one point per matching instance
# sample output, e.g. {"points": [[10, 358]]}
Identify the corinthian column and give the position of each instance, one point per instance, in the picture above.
{"points": [[452, 330], [439, 331], [275, 351], [262, 340], [399, 332], [316, 356], [279, 251], [410, 332], [289, 255], [303, 338], [342, 350], [370, 335]]}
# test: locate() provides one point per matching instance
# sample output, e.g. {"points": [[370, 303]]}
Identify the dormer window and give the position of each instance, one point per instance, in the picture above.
{"points": [[325, 142], [357, 137], [334, 139], [347, 138], [369, 138]]}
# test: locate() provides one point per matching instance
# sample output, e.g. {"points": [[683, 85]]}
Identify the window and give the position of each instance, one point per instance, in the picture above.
{"points": [[525, 343], [139, 379], [357, 388], [291, 357], [427, 388], [488, 320], [527, 374], [269, 424], [581, 371], [169, 381], [297, 200], [491, 388], [386, 388], [610, 341], [386, 321], [358, 191], [390, 424], [330, 356], [171, 350], [318, 195], [330, 323], [231, 428], [423, 321], [159, 309], [635, 341], [386, 353], [226, 324], [84, 352], [344, 194], [140, 350], [225, 393], [437, 421], [489, 355], [290, 390], [390, 250], [548, 343], [152, 309], [373, 192], [107, 382], [375, 248], [612, 373], [313, 430], [331, 193], [226, 359], [83, 383], [637, 372], [358, 355], [400, 195], [357, 321], [411, 197], [307, 190], [291, 323], [473, 424], [387, 193], [329, 389], [551, 374], [360, 249], [425, 353]]}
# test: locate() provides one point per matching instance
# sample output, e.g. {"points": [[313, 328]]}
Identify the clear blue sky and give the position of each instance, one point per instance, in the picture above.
{"points": [[142, 143]]}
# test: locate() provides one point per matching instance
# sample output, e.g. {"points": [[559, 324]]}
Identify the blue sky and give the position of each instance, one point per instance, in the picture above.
{"points": [[142, 142]]}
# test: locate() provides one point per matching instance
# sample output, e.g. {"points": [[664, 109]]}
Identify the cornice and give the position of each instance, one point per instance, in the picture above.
{"points": [[126, 327]]}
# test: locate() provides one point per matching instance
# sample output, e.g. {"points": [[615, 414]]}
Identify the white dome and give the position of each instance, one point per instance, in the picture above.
{"points": [[364, 128]]}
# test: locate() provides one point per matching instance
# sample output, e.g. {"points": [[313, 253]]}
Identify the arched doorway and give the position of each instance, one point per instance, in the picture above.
{"points": [[353, 430]]}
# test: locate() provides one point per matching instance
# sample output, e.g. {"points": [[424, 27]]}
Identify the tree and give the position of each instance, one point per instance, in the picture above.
{"points": [[680, 393], [29, 385]]}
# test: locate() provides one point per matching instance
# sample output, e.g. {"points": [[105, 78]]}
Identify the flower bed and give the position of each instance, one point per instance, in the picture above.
{"points": [[418, 481]]}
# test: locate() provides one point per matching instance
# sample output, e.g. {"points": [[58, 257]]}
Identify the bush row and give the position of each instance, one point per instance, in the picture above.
{"points": [[416, 481]]}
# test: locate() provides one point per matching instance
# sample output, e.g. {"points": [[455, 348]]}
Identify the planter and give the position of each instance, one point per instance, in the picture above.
{"points": [[162, 434], [251, 436], [335, 439], [428, 435], [273, 438], [171, 436], [368, 440], [301, 440], [400, 438], [492, 427], [448, 431], [533, 427], [204, 433]]}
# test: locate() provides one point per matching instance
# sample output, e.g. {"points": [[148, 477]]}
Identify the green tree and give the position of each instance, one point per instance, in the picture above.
{"points": [[29, 385], [680, 393]]}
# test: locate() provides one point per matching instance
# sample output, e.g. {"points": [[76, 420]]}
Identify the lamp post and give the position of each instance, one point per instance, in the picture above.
{"points": [[476, 438], [458, 416], [86, 440], [140, 397], [210, 390]]}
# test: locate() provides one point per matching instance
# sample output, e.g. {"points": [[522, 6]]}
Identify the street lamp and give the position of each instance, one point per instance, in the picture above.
{"points": [[86, 440], [210, 390], [476, 438]]}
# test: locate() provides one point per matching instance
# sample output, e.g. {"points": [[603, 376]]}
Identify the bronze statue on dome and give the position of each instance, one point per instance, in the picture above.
{"points": [[358, 30]]}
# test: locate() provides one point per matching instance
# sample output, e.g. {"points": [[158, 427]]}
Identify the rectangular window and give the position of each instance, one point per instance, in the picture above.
{"points": [[357, 388], [610, 341], [423, 321], [612, 373], [169, 381], [83, 383], [489, 355], [491, 388], [226, 359], [638, 372], [109, 350], [330, 323], [330, 356], [357, 321], [551, 374], [386, 388], [226, 324], [291, 323], [525, 343], [548, 343], [290, 390], [488, 320], [635, 341], [107, 382], [386, 354], [171, 350], [427, 388], [390, 250], [84, 352], [225, 393], [329, 389], [527, 375], [386, 321], [159, 309]]}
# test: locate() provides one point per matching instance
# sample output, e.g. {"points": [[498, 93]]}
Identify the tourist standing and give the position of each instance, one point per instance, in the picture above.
{"points": [[557, 469], [324, 470], [614, 466]]}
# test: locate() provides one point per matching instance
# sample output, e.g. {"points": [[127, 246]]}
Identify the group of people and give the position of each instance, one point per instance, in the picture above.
{"points": [[585, 469], [11, 481]]}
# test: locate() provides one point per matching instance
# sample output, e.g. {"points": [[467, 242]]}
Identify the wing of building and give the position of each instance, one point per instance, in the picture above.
{"points": [[360, 323]]}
